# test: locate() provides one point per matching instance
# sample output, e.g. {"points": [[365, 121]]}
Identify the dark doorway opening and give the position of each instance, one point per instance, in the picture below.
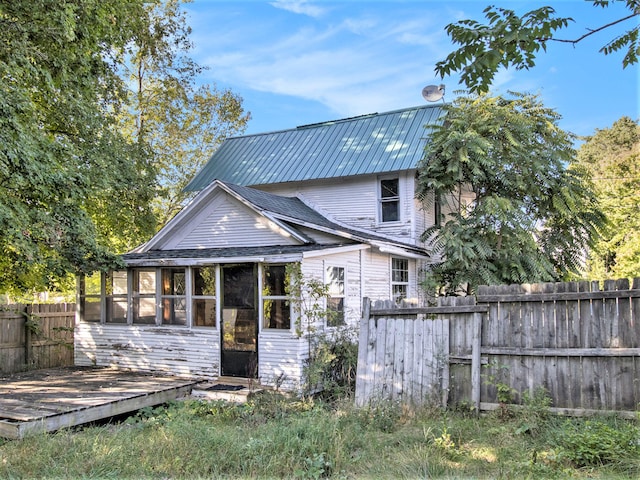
{"points": [[240, 320]]}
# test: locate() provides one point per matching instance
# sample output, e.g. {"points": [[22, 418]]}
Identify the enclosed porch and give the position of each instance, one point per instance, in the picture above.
{"points": [[200, 313]]}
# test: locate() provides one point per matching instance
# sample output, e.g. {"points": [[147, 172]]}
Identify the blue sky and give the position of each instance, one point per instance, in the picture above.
{"points": [[297, 62]]}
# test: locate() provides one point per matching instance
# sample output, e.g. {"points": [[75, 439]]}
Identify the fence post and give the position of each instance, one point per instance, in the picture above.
{"points": [[475, 360], [28, 329], [362, 367]]}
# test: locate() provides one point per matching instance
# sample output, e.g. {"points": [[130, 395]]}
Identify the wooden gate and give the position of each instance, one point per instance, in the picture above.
{"points": [[405, 354]]}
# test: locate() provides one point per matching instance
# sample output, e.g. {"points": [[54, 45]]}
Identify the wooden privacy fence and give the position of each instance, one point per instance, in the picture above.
{"points": [[36, 336], [578, 342]]}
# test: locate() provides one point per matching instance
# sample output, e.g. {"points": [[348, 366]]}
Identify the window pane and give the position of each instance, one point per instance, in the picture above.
{"points": [[399, 292], [173, 281], [336, 280], [118, 283], [174, 311], [146, 282], [335, 312], [144, 310], [274, 280], [116, 310], [204, 283], [277, 314], [400, 270], [389, 188], [91, 284], [91, 309], [390, 211], [204, 312]]}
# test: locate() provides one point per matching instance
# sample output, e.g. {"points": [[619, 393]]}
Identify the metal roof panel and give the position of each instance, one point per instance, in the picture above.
{"points": [[368, 144]]}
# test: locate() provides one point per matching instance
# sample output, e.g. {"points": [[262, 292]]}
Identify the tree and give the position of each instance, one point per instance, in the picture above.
{"points": [[612, 155], [511, 40], [515, 207], [58, 144], [175, 122], [83, 154]]}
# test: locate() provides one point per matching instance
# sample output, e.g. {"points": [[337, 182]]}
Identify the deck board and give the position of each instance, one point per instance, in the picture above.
{"points": [[47, 400]]}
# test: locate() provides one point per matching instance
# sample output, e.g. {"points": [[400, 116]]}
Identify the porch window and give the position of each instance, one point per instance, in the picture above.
{"points": [[399, 278], [276, 303], [116, 296], [173, 296], [203, 298], [389, 200], [335, 300], [144, 296], [90, 304]]}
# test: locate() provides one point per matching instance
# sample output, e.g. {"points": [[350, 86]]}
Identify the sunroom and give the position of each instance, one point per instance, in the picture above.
{"points": [[212, 312]]}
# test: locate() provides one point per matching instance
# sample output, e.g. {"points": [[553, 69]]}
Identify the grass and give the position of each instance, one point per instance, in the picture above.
{"points": [[275, 437]]}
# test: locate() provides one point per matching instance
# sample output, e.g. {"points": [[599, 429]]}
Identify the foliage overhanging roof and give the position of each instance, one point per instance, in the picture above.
{"points": [[368, 144]]}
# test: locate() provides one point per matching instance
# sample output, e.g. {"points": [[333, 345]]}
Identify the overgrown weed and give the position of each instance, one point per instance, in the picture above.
{"points": [[274, 436]]}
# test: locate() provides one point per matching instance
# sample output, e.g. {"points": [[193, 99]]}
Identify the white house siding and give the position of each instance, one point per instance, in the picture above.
{"points": [[350, 261], [377, 271], [227, 222], [178, 351], [425, 216], [281, 356], [354, 201]]}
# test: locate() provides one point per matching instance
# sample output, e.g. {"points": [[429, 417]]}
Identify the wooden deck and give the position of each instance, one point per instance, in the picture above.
{"points": [[48, 400]]}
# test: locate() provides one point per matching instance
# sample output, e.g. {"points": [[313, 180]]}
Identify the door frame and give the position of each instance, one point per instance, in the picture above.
{"points": [[240, 362]]}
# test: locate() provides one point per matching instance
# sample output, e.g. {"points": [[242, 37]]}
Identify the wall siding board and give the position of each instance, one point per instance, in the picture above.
{"points": [[281, 357], [187, 352], [361, 195], [229, 223]]}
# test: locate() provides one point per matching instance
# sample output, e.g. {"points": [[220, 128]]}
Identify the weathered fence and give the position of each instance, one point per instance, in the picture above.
{"points": [[580, 343], [36, 336]]}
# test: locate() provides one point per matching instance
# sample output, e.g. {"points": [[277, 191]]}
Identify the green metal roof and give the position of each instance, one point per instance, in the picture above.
{"points": [[369, 144]]}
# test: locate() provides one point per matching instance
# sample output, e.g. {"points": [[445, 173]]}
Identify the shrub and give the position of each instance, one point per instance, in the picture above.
{"points": [[596, 442], [332, 364]]}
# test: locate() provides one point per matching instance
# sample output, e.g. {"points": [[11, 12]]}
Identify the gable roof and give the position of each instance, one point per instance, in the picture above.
{"points": [[290, 213], [368, 144]]}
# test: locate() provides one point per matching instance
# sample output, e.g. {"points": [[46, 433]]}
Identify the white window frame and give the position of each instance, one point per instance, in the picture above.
{"points": [[84, 296], [263, 298], [136, 296], [382, 200], [328, 280], [192, 297], [169, 301], [395, 281], [112, 297]]}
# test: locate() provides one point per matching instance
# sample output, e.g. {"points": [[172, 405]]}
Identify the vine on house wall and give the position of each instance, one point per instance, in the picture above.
{"points": [[333, 354]]}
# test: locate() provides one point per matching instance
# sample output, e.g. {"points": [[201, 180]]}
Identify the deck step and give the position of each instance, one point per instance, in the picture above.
{"points": [[230, 389]]}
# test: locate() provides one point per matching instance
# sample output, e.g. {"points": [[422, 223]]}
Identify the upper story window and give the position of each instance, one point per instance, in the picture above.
{"points": [[389, 200], [335, 301], [275, 300], [399, 278]]}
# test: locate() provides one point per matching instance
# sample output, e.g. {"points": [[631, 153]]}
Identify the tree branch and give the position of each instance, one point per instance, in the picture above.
{"points": [[591, 32]]}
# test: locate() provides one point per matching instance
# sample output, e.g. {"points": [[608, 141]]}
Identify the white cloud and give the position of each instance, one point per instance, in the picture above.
{"points": [[301, 7]]}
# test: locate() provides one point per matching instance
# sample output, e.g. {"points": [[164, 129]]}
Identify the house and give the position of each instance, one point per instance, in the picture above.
{"points": [[209, 295]]}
